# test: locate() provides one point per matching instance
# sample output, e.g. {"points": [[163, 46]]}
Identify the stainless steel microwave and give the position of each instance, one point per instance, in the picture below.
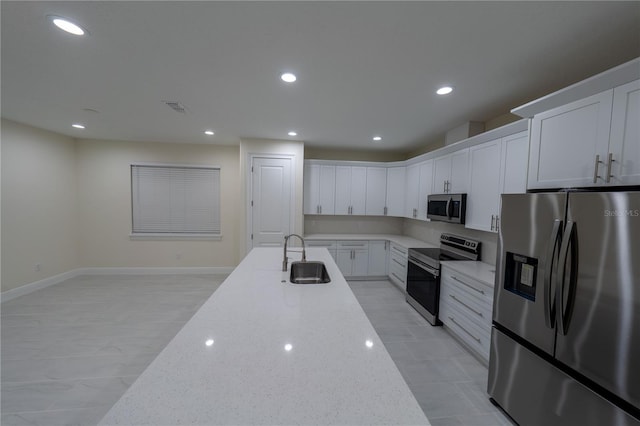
{"points": [[447, 207]]}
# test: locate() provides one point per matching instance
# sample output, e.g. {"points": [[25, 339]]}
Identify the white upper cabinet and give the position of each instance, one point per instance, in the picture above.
{"points": [[624, 143], [483, 196], [376, 196], [418, 186], [396, 177], [594, 141], [569, 144], [424, 187], [319, 189], [514, 163], [451, 172], [495, 167], [412, 187], [351, 188]]}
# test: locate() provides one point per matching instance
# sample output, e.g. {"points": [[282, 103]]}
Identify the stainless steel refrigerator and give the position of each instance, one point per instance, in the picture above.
{"points": [[565, 343]]}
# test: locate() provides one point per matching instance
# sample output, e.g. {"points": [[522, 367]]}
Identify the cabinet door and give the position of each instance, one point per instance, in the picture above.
{"points": [[483, 196], [424, 187], [412, 187], [458, 181], [360, 265], [624, 143], [343, 190], [311, 184], [358, 190], [396, 177], [376, 191], [441, 174], [565, 142], [326, 189], [378, 254], [515, 159], [344, 261]]}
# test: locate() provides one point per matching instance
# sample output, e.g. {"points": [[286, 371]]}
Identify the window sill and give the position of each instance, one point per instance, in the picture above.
{"points": [[168, 236]]}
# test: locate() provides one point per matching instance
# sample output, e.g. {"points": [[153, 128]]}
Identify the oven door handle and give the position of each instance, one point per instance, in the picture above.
{"points": [[424, 266]]}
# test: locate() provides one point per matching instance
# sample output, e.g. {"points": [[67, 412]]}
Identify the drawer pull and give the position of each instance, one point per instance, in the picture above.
{"points": [[399, 263], [470, 286], [464, 329], [466, 306]]}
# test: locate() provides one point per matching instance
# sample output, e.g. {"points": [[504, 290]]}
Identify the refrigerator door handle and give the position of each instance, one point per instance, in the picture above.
{"points": [[552, 250], [569, 241]]}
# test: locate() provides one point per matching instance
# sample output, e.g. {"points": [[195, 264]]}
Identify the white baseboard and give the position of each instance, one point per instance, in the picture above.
{"points": [[37, 285]]}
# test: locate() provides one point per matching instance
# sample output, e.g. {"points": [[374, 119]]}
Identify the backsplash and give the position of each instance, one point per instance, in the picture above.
{"points": [[431, 231], [318, 224], [425, 231]]}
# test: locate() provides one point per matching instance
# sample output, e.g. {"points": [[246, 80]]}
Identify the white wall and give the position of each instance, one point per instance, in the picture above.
{"points": [[104, 195], [39, 205], [249, 147]]}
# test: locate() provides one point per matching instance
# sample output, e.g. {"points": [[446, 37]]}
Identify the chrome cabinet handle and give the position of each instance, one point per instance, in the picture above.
{"points": [[466, 306], [497, 223], [444, 186], [385, 210], [464, 329], [465, 284], [492, 219], [399, 263], [609, 161], [595, 169]]}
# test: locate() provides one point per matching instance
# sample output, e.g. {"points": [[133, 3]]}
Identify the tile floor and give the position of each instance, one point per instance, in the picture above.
{"points": [[71, 350], [447, 381]]}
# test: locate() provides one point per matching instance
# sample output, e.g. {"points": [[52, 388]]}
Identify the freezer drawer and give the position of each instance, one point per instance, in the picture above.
{"points": [[534, 392]]}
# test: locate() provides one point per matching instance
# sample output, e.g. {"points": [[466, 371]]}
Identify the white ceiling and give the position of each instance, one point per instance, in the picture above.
{"points": [[364, 68]]}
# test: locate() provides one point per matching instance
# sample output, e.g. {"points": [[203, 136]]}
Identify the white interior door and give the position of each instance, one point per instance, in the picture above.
{"points": [[271, 199]]}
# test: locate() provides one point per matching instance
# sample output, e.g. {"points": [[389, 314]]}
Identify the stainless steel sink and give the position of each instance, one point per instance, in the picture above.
{"points": [[309, 273]]}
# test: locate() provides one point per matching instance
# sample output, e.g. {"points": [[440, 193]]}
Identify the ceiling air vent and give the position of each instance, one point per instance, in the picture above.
{"points": [[176, 106]]}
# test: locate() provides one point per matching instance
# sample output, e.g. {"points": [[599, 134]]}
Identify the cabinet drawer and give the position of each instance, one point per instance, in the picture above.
{"points": [[398, 274], [399, 250], [398, 261], [352, 245], [478, 339], [468, 285], [475, 309], [329, 245]]}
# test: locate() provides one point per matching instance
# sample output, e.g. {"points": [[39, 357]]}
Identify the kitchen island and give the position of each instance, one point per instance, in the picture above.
{"points": [[263, 351]]}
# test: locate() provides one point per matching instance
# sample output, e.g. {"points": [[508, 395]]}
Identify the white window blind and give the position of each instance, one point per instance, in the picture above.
{"points": [[175, 199]]}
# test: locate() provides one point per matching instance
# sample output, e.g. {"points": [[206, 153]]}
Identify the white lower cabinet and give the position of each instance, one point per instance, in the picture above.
{"points": [[398, 259], [465, 309], [353, 258], [329, 245], [378, 258]]}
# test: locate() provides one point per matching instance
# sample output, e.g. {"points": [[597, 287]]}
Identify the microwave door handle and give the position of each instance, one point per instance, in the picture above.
{"points": [[569, 241], [449, 207], [549, 302]]}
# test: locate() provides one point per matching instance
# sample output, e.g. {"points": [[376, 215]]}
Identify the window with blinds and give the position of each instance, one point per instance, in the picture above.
{"points": [[180, 200]]}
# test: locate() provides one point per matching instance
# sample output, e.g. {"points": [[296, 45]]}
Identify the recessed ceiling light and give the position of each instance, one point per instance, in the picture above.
{"points": [[377, 138], [288, 77], [78, 126], [445, 90], [292, 133], [209, 132], [66, 25]]}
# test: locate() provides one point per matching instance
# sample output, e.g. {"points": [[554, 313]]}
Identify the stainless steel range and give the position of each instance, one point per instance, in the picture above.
{"points": [[423, 272]]}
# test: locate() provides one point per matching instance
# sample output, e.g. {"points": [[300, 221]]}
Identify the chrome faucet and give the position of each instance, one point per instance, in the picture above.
{"points": [[286, 239]]}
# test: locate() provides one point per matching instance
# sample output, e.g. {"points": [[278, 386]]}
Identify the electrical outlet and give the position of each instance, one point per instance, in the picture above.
{"points": [[37, 267]]}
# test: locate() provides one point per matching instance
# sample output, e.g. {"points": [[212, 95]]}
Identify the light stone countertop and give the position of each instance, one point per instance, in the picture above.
{"points": [[403, 240], [480, 271], [232, 363]]}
